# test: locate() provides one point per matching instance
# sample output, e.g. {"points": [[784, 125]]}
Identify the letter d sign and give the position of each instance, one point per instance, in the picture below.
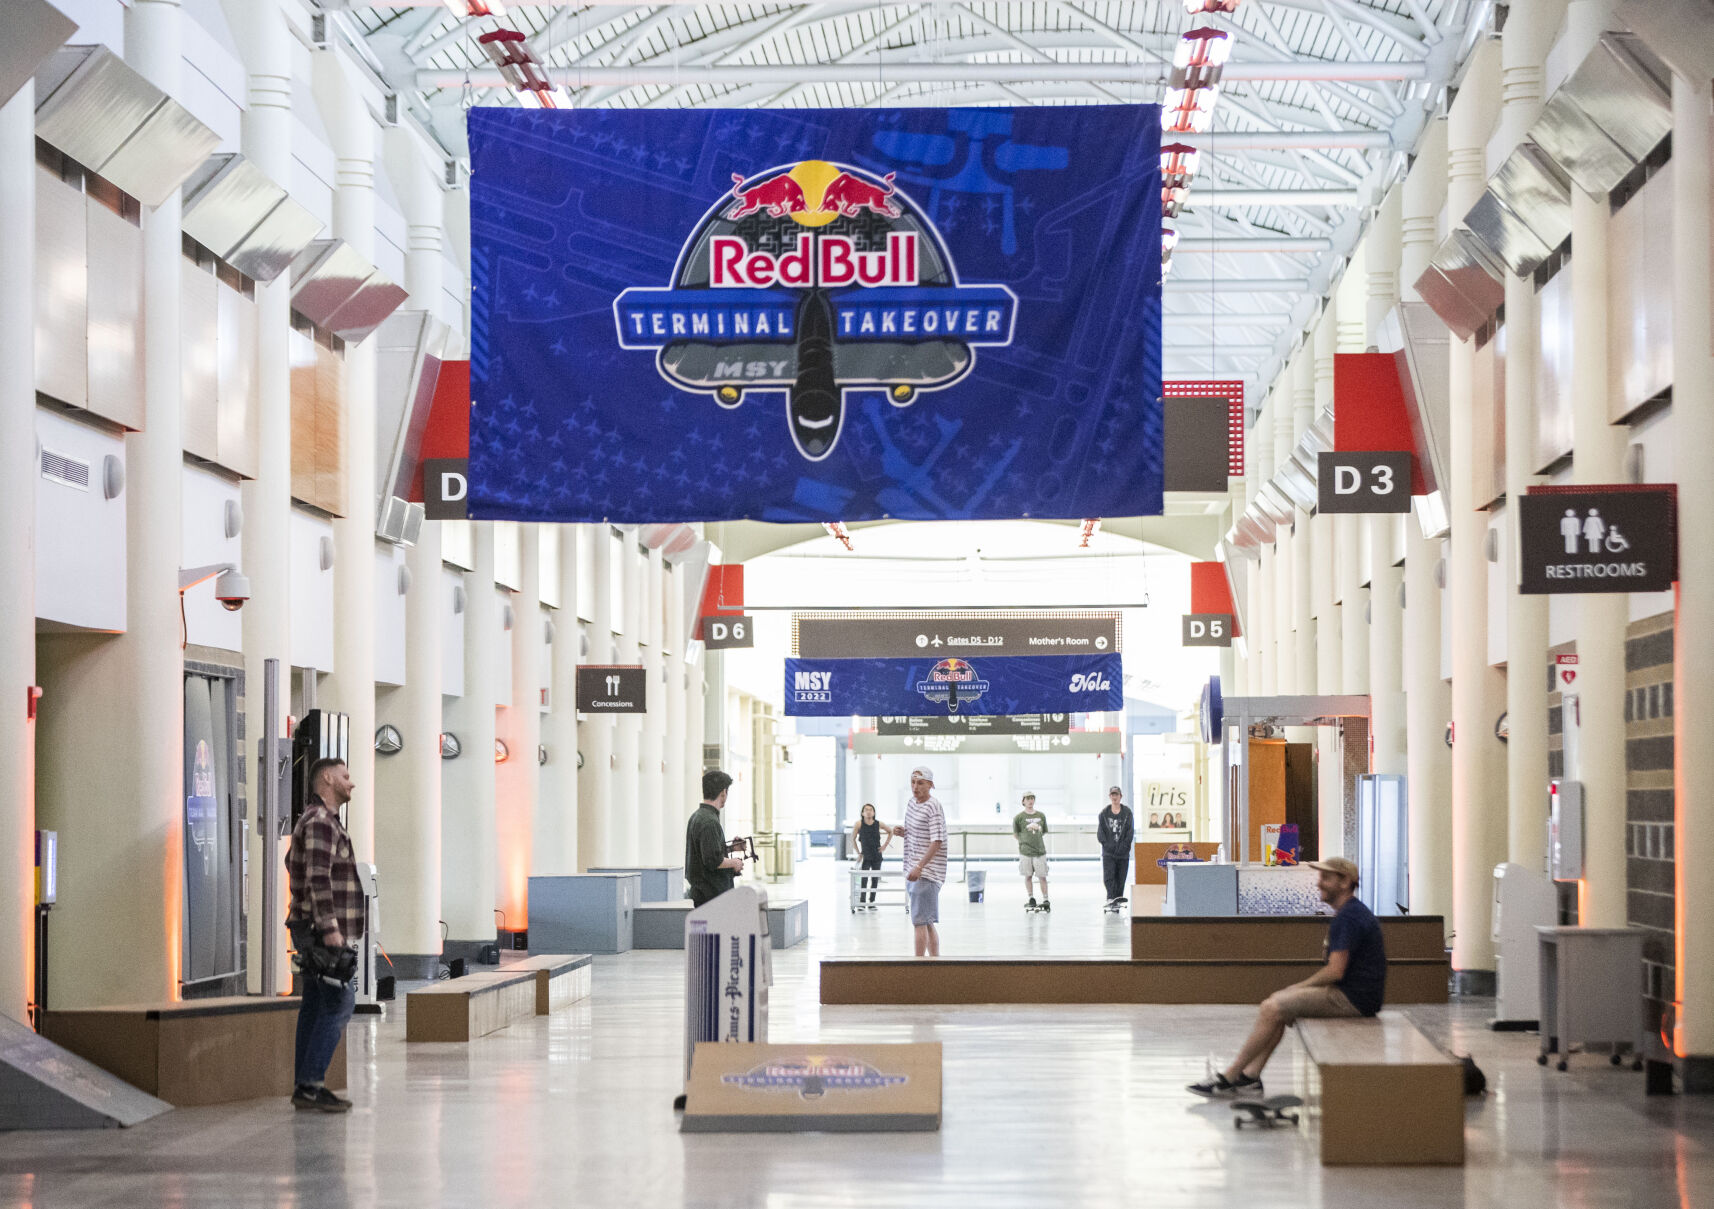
{"points": [[1346, 480], [446, 488]]}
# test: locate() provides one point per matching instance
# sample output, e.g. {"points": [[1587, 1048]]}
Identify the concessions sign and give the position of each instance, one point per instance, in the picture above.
{"points": [[1619, 538], [815, 314]]}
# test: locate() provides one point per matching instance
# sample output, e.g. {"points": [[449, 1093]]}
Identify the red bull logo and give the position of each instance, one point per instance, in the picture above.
{"points": [[952, 682], [814, 279]]}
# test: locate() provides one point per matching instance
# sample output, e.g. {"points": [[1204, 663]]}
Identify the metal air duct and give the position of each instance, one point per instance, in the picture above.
{"points": [[1525, 213], [410, 346], [1608, 115], [334, 287], [34, 30], [1418, 341], [238, 212], [107, 117]]}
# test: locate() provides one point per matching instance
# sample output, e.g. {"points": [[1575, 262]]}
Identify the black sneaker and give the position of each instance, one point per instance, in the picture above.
{"points": [[1221, 1088], [1045, 905], [318, 1099], [1031, 905]]}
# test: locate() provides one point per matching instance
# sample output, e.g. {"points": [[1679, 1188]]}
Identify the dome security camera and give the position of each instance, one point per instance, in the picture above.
{"points": [[231, 589]]}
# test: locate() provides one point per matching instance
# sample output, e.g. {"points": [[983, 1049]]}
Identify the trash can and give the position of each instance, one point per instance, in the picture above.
{"points": [[978, 883]]}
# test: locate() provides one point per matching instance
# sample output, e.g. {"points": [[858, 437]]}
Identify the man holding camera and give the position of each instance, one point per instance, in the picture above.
{"points": [[326, 921]]}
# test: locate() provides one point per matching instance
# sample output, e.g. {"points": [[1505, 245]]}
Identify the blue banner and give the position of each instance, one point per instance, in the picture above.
{"points": [[1003, 684], [814, 314]]}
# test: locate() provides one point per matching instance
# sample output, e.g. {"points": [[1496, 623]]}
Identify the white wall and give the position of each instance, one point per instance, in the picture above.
{"points": [[390, 614], [206, 495], [80, 535], [312, 594]]}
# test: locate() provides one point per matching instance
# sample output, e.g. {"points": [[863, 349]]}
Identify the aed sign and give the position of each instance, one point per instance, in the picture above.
{"points": [[612, 690], [1363, 482], [1207, 629], [446, 489], [725, 633], [1597, 539]]}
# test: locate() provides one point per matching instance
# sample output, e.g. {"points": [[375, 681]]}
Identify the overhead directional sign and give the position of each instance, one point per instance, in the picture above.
{"points": [[1363, 482], [1619, 538], [446, 489], [960, 724], [894, 636]]}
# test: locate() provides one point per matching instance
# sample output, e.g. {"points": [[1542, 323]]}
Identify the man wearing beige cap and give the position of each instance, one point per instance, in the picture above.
{"points": [[1352, 983], [924, 834]]}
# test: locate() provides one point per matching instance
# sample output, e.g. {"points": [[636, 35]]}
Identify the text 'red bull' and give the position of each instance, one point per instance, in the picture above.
{"points": [[818, 260]]}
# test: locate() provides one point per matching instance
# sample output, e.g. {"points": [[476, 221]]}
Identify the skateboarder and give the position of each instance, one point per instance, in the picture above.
{"points": [[1115, 828], [1029, 827], [1352, 983]]}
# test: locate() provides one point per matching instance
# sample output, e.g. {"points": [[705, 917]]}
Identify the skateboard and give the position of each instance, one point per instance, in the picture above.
{"points": [[1037, 910], [1116, 906], [1269, 1113]]}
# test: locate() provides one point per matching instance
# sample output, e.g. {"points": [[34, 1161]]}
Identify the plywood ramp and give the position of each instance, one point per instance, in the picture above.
{"points": [[943, 980], [826, 1087]]}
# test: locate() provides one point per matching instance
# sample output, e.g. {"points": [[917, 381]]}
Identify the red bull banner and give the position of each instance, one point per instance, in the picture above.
{"points": [[985, 686], [808, 315]]}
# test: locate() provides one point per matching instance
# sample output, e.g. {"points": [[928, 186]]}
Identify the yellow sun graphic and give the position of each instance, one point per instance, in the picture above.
{"points": [[813, 177]]}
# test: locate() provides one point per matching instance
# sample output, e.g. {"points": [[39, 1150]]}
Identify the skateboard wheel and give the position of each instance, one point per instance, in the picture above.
{"points": [[1541, 1059], [1614, 1059], [1561, 1065]]}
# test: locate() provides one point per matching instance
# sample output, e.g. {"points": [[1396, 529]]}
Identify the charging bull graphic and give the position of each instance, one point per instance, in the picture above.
{"points": [[811, 279]]}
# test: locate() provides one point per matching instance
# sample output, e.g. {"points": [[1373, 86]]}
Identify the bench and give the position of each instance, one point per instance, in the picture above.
{"points": [[1248, 937], [953, 980], [1388, 1095], [462, 1009], [661, 925], [195, 1051]]}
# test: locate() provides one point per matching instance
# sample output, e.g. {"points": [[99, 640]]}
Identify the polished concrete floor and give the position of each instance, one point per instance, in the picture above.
{"points": [[1072, 1106]]}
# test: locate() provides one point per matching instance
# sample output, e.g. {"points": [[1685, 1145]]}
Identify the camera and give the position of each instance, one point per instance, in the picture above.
{"points": [[231, 589]]}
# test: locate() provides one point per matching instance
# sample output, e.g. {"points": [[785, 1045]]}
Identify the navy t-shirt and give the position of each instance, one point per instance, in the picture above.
{"points": [[1356, 932]]}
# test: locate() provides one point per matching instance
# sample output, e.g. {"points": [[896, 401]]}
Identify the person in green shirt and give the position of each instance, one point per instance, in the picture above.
{"points": [[707, 867], [1029, 828]]}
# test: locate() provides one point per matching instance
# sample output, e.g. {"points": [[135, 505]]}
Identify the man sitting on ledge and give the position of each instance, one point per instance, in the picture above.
{"points": [[1352, 983]]}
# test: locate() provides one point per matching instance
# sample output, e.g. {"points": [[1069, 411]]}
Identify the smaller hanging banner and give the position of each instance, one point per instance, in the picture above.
{"points": [[1004, 684]]}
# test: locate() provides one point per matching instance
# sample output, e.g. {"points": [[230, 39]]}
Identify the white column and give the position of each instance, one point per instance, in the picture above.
{"points": [[518, 780], [628, 729], [676, 798], [1428, 698], [1352, 546], [1303, 540], [554, 849], [467, 783], [1386, 577], [118, 931], [1285, 552], [1530, 27], [17, 546], [1478, 694], [595, 837], [1693, 670], [351, 688], [1329, 633], [1597, 456], [1264, 651], [653, 808], [267, 498], [408, 784]]}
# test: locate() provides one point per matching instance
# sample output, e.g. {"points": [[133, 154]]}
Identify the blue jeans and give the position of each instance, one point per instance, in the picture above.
{"points": [[322, 1018]]}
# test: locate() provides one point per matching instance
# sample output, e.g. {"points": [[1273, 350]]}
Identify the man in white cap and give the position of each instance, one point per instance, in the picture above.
{"points": [[1352, 983], [924, 834]]}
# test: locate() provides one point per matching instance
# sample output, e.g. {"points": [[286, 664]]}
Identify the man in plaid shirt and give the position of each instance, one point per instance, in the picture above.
{"points": [[326, 911]]}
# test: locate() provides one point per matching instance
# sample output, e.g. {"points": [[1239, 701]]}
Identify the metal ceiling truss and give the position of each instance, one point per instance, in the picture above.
{"points": [[1319, 100]]}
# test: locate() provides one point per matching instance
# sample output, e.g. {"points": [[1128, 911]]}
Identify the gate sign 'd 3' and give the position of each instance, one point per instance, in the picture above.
{"points": [[1592, 539], [1363, 482]]}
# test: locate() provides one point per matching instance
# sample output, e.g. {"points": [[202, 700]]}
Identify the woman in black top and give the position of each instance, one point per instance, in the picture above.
{"points": [[871, 837]]}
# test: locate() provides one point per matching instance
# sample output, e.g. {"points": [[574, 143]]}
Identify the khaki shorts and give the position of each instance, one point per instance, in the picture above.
{"points": [[1032, 866], [1312, 1003]]}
